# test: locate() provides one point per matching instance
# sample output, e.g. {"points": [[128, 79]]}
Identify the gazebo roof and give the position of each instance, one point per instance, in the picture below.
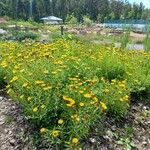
{"points": [[51, 18]]}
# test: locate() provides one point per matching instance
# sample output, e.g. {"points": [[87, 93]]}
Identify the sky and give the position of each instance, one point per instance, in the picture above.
{"points": [[145, 2]]}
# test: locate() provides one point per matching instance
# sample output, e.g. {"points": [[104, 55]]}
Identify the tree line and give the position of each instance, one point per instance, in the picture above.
{"points": [[96, 10]]}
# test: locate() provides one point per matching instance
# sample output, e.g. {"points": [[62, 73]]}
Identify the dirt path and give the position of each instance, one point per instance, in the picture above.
{"points": [[14, 133], [130, 133]]}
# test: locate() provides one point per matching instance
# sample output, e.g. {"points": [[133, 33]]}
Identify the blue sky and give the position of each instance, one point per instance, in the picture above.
{"points": [[145, 2]]}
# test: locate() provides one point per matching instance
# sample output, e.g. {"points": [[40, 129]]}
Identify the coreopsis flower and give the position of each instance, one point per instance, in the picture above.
{"points": [[43, 130], [103, 106], [55, 133], [75, 141], [35, 109], [60, 121]]}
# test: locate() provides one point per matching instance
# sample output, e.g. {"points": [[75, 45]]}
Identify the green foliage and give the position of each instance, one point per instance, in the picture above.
{"points": [[125, 39], [147, 41], [64, 87], [57, 36], [2, 83], [111, 68], [20, 36], [87, 21], [71, 19]]}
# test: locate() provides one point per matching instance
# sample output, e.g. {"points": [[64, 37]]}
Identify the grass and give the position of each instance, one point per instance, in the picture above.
{"points": [[2, 83], [125, 39], [103, 38], [147, 43], [66, 86]]}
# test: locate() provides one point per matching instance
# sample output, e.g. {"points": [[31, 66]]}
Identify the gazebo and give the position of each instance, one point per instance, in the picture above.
{"points": [[52, 20]]}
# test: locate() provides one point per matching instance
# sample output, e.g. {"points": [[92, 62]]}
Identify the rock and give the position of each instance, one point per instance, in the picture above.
{"points": [[92, 140], [113, 128], [144, 142], [2, 120], [12, 142], [110, 133], [1, 98], [3, 32]]}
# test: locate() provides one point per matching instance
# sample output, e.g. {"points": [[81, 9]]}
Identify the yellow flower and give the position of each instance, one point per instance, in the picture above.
{"points": [[29, 98], [25, 85], [43, 130], [55, 133], [121, 99], [46, 71], [22, 70], [39, 82], [4, 64], [113, 81], [14, 71], [43, 84], [120, 92], [22, 96], [47, 88], [95, 99], [10, 90], [54, 72], [14, 79], [88, 95], [122, 85], [103, 105], [75, 141], [8, 86], [75, 117], [70, 102], [81, 92], [60, 121], [43, 106], [81, 104], [35, 109], [106, 90], [126, 98]]}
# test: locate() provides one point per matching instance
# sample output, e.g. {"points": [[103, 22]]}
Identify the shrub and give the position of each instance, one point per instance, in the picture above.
{"points": [[87, 21], [20, 36], [71, 19]]}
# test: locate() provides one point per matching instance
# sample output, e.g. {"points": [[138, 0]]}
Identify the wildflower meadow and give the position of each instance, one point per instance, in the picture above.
{"points": [[64, 87]]}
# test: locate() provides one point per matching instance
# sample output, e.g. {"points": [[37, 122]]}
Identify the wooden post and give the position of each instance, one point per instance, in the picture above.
{"points": [[62, 30]]}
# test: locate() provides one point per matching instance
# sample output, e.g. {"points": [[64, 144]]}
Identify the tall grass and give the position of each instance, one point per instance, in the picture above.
{"points": [[1, 78], [147, 40], [125, 39]]}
